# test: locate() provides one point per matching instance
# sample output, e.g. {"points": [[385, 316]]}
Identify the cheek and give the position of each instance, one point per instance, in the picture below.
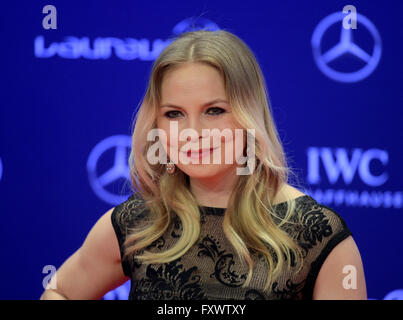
{"points": [[239, 144], [166, 137], [232, 145]]}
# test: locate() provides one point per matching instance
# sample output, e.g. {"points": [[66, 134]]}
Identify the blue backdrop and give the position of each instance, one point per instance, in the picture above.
{"points": [[68, 97]]}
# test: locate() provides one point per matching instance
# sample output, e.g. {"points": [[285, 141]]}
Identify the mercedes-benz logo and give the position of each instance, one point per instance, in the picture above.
{"points": [[117, 147], [346, 45], [394, 295], [194, 24]]}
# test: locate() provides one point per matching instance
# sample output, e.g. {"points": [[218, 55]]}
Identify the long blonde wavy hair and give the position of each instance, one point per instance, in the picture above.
{"points": [[249, 220]]}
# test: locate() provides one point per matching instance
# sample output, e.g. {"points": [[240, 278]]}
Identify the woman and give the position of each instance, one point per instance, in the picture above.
{"points": [[212, 230]]}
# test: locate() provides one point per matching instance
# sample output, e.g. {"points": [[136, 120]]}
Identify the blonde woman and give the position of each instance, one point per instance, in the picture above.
{"points": [[227, 229]]}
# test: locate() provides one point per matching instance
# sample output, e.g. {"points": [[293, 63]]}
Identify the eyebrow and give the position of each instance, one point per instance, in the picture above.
{"points": [[165, 105]]}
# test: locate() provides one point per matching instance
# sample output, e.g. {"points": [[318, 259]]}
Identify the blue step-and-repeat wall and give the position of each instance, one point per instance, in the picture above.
{"points": [[68, 97]]}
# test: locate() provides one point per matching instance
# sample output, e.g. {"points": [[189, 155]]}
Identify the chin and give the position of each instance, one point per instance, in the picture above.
{"points": [[202, 170]]}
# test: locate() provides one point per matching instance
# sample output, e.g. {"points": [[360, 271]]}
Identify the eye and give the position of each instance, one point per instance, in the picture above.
{"points": [[169, 114], [175, 113], [217, 112]]}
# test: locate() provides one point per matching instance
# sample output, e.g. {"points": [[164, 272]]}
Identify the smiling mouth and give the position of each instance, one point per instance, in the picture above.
{"points": [[200, 152]]}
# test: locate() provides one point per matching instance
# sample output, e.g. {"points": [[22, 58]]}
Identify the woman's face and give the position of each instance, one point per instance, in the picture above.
{"points": [[186, 93]]}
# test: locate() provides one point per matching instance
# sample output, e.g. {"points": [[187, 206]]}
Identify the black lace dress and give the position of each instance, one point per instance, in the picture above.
{"points": [[211, 270]]}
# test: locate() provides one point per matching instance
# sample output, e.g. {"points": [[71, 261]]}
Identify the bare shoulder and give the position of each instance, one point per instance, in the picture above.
{"points": [[103, 233], [95, 268], [342, 274], [287, 192]]}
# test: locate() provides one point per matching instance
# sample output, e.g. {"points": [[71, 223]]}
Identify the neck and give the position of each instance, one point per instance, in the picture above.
{"points": [[214, 191]]}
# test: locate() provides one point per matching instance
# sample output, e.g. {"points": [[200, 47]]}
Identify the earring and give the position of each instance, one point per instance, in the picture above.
{"points": [[170, 167]]}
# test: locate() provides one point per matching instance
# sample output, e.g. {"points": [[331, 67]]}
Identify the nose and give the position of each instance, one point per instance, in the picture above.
{"points": [[197, 126], [198, 137]]}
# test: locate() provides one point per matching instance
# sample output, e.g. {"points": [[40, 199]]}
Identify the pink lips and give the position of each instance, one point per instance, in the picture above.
{"points": [[199, 153]]}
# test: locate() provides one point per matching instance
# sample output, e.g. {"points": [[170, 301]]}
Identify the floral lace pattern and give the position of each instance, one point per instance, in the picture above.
{"points": [[211, 269]]}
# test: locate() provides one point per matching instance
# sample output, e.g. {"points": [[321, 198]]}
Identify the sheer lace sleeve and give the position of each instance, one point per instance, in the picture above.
{"points": [[323, 229], [123, 217]]}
